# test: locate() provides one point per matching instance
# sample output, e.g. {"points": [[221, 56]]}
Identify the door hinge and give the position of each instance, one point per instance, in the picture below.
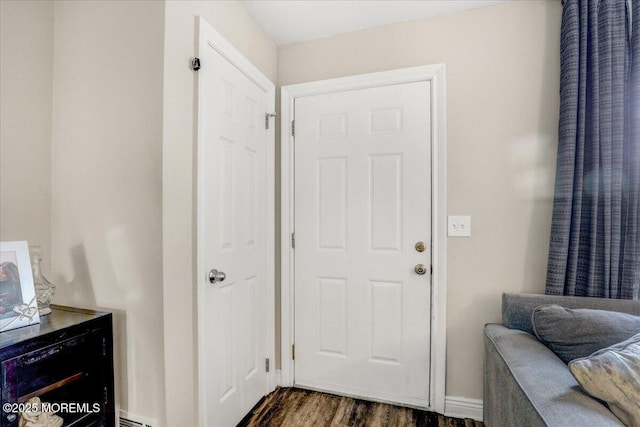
{"points": [[293, 128], [432, 270], [293, 240], [293, 352], [266, 364], [195, 63], [267, 116]]}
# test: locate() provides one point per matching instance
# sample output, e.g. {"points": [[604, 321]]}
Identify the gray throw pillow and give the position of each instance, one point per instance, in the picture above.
{"points": [[574, 333]]}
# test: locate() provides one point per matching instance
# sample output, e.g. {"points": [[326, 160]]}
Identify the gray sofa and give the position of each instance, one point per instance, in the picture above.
{"points": [[525, 383]]}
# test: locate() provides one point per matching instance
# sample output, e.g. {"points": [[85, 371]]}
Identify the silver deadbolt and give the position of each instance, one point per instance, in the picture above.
{"points": [[420, 269], [216, 276], [420, 247]]}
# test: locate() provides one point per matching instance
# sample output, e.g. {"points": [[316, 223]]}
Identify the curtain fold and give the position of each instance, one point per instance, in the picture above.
{"points": [[595, 233]]}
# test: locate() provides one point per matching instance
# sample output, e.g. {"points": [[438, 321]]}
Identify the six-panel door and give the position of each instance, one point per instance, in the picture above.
{"points": [[362, 202], [232, 219]]}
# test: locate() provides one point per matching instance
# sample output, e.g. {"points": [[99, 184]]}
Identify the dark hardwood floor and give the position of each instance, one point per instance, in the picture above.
{"points": [[292, 407]]}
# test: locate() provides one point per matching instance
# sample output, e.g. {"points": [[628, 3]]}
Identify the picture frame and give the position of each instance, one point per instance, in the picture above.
{"points": [[18, 303]]}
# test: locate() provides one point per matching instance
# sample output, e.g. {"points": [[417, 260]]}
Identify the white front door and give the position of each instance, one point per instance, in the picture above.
{"points": [[232, 216], [362, 202]]}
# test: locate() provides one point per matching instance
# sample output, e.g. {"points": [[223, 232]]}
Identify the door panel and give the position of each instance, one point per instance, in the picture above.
{"points": [[362, 201], [232, 212]]}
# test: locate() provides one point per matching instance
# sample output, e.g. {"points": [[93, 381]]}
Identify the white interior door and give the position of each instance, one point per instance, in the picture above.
{"points": [[362, 202], [232, 224]]}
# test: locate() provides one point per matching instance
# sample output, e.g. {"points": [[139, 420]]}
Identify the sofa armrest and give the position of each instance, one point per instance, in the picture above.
{"points": [[525, 384]]}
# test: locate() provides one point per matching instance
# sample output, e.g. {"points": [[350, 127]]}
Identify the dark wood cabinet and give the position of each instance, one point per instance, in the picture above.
{"points": [[66, 361]]}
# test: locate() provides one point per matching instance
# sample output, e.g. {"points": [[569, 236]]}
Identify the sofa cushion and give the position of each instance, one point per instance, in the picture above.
{"points": [[613, 375], [517, 308], [574, 333]]}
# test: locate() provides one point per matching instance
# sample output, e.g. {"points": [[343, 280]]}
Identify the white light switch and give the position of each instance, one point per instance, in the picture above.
{"points": [[459, 226]]}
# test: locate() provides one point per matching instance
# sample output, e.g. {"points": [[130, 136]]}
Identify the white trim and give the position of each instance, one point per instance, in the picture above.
{"points": [[435, 74], [287, 255], [270, 233], [462, 407], [439, 240], [207, 36]]}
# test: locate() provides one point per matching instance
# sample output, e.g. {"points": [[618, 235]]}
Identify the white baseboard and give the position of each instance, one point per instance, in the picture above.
{"points": [[462, 407]]}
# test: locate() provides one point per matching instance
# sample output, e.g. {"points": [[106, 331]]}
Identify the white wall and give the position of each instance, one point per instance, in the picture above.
{"points": [[502, 114], [26, 91], [107, 181], [231, 20]]}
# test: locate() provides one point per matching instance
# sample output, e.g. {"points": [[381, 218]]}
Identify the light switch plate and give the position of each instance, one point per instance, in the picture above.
{"points": [[459, 226]]}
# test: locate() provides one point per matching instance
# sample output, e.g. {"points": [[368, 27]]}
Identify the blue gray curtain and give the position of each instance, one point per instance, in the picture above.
{"points": [[595, 232]]}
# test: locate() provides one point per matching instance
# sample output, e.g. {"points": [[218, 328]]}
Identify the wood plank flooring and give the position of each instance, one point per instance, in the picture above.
{"points": [[291, 407]]}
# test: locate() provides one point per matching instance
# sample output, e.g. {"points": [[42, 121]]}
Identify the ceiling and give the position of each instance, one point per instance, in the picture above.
{"points": [[292, 21]]}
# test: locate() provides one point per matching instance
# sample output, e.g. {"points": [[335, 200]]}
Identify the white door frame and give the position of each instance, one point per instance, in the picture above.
{"points": [[435, 75], [208, 36]]}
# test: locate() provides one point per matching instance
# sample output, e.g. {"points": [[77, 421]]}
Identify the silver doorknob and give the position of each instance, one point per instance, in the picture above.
{"points": [[420, 269], [216, 276]]}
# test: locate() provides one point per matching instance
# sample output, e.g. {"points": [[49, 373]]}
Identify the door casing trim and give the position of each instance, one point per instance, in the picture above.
{"points": [[209, 37], [435, 74]]}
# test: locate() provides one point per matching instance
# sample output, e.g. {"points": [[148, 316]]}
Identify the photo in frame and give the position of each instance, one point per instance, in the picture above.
{"points": [[18, 305]]}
